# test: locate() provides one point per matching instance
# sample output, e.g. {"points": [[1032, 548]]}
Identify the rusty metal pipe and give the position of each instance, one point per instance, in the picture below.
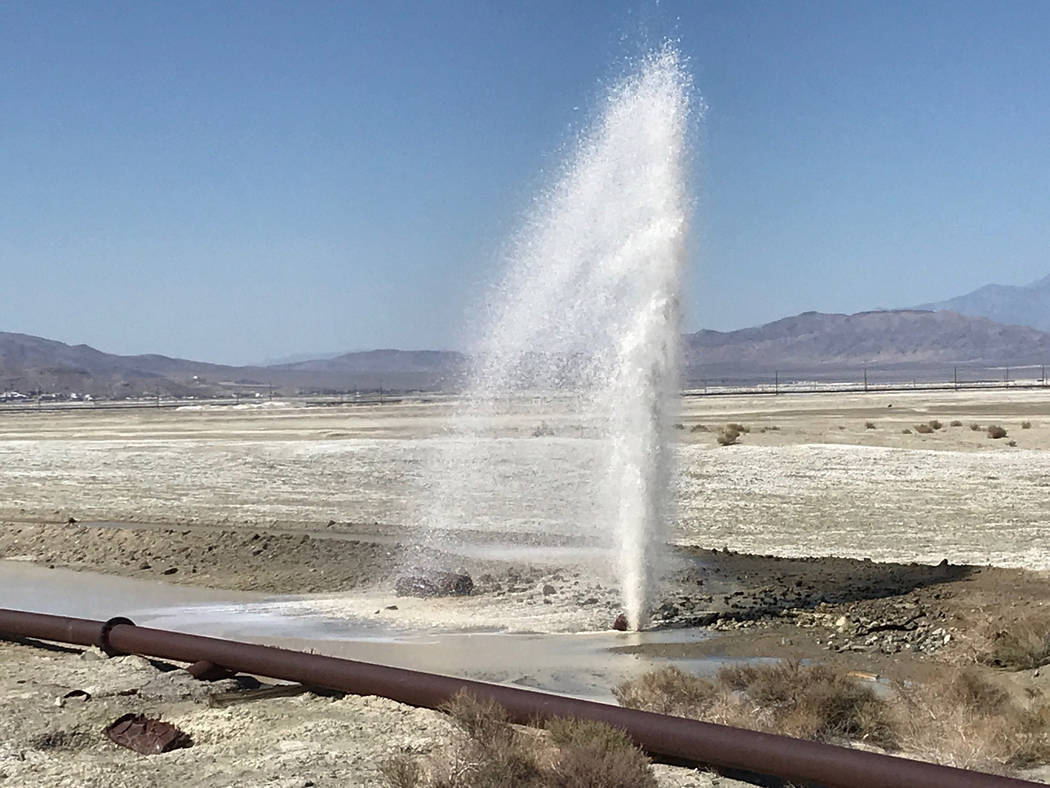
{"points": [[661, 735]]}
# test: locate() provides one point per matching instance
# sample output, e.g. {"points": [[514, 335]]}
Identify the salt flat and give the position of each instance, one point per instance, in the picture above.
{"points": [[808, 479]]}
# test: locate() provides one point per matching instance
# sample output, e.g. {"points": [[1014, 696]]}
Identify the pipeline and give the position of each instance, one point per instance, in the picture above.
{"points": [[660, 735]]}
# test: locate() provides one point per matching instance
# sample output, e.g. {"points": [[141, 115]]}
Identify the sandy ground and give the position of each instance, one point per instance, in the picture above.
{"points": [[291, 742], [322, 501]]}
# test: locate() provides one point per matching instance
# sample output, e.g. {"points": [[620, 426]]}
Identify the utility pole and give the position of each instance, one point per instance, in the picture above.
{"points": [[865, 380], [956, 378], [776, 382]]}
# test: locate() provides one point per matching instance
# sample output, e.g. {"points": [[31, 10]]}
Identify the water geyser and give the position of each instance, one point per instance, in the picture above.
{"points": [[587, 317]]}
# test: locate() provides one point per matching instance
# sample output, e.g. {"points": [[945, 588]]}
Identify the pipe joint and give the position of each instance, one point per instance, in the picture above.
{"points": [[103, 635]]}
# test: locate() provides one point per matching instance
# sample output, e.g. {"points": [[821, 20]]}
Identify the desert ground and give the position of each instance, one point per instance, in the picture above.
{"points": [[826, 532]]}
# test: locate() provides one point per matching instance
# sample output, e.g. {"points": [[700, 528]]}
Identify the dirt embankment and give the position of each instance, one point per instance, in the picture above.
{"points": [[297, 563], [899, 621], [235, 560]]}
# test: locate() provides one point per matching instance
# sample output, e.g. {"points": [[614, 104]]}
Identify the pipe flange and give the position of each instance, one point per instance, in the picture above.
{"points": [[103, 635]]}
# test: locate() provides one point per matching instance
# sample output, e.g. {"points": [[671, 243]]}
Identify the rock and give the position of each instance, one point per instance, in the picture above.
{"points": [[548, 590], [668, 610], [428, 584], [620, 624], [73, 695], [170, 570]]}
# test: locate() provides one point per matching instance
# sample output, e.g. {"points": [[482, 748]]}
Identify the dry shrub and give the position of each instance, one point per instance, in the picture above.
{"points": [[996, 432], [935, 424], [961, 719], [741, 428], [967, 689], [479, 718], [955, 423], [699, 428], [668, 691], [1026, 425], [976, 427], [727, 436], [492, 753], [1012, 443], [810, 702], [924, 429], [869, 425], [906, 431], [958, 718], [402, 771], [594, 755], [1023, 645]]}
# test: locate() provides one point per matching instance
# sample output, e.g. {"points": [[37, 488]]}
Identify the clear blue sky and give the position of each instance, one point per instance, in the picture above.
{"points": [[238, 181]]}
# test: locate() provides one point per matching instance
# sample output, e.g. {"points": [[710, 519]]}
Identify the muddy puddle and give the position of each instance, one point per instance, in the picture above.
{"points": [[579, 664]]}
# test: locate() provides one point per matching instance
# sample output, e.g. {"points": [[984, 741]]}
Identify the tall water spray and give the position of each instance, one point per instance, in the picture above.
{"points": [[587, 316]]}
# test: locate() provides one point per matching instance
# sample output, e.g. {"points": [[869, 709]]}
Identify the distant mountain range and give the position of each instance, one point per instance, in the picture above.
{"points": [[823, 344], [995, 325], [1027, 305], [379, 362], [29, 364]]}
